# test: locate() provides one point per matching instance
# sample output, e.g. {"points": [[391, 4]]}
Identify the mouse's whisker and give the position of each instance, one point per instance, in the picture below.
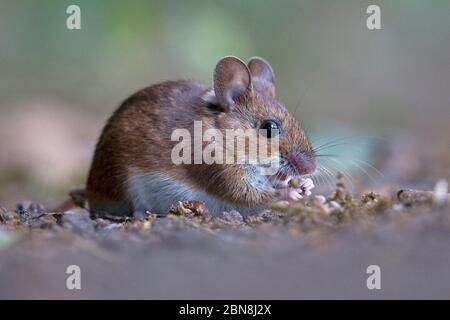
{"points": [[360, 167], [330, 176], [353, 140], [370, 166], [321, 177], [324, 174], [325, 155], [329, 146], [357, 164], [338, 166], [314, 179]]}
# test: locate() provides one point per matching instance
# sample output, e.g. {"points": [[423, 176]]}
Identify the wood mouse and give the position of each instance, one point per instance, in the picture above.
{"points": [[132, 169]]}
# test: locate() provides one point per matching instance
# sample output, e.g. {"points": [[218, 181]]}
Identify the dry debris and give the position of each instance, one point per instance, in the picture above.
{"points": [[310, 214], [190, 209]]}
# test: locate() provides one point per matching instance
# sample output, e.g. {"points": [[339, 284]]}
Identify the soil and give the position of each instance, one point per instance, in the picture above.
{"points": [[318, 247]]}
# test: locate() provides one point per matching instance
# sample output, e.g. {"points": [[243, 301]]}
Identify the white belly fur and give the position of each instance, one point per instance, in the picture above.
{"points": [[157, 191]]}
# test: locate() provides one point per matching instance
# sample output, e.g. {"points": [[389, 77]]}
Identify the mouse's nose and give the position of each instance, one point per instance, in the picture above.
{"points": [[303, 163]]}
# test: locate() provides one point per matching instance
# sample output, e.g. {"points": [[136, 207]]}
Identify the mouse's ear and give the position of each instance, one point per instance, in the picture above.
{"points": [[231, 81], [263, 77]]}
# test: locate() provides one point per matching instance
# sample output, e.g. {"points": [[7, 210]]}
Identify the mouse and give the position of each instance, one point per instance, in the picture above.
{"points": [[133, 169]]}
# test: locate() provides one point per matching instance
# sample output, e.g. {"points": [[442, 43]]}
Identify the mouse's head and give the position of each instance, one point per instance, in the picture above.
{"points": [[245, 96]]}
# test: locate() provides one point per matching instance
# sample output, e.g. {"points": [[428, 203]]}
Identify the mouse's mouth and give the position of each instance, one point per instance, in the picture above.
{"points": [[285, 179], [290, 176], [291, 188]]}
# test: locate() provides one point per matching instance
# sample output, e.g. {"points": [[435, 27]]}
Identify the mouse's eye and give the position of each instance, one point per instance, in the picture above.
{"points": [[271, 128]]}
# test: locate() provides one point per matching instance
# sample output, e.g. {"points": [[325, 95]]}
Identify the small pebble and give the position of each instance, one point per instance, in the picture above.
{"points": [[231, 216], [441, 195], [321, 199], [113, 227], [79, 221]]}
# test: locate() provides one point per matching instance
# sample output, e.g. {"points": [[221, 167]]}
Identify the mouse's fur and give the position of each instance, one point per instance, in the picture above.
{"points": [[132, 168]]}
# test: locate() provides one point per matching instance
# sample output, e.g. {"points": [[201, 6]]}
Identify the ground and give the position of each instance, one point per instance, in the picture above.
{"points": [[318, 247]]}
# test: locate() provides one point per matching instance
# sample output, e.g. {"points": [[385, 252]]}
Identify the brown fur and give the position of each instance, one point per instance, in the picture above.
{"points": [[137, 137]]}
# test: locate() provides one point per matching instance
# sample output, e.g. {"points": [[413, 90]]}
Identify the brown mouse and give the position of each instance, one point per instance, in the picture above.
{"points": [[133, 168]]}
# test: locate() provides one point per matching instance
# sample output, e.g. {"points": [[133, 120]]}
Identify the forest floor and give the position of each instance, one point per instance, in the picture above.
{"points": [[318, 247]]}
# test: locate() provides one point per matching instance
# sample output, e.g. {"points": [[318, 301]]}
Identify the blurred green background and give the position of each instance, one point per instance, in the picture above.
{"points": [[58, 86]]}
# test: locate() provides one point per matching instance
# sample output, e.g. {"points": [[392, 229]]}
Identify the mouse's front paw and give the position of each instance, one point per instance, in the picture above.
{"points": [[297, 189], [306, 185]]}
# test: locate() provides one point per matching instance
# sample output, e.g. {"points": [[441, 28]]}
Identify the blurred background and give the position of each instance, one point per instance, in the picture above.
{"points": [[383, 96]]}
